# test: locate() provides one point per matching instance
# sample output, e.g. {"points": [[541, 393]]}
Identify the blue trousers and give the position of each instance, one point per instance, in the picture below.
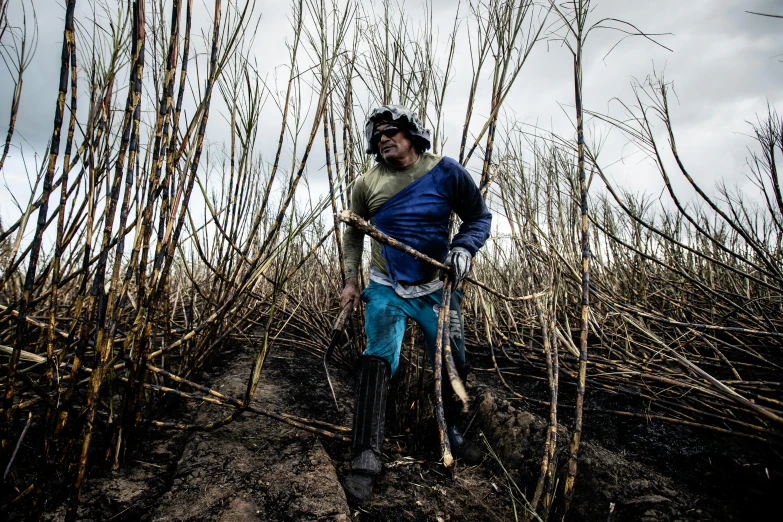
{"points": [[384, 322]]}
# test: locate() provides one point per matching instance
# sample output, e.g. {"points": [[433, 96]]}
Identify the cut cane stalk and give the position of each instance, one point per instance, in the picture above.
{"points": [[443, 317], [454, 378], [346, 216]]}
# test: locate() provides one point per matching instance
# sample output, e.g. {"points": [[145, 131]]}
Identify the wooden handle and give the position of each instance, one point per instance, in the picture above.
{"points": [[344, 313]]}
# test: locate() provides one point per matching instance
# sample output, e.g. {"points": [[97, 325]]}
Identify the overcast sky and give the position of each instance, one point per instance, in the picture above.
{"points": [[725, 65]]}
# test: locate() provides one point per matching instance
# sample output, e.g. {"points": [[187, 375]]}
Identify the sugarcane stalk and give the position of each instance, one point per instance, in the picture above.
{"points": [[347, 216], [21, 322], [553, 375], [99, 299], [339, 173], [18, 443], [577, 29], [443, 321], [330, 177], [454, 379], [56, 271]]}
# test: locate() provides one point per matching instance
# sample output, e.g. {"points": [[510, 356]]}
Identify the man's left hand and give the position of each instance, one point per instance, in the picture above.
{"points": [[459, 262]]}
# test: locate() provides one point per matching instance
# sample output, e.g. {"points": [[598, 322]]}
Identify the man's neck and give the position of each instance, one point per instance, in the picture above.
{"points": [[402, 164]]}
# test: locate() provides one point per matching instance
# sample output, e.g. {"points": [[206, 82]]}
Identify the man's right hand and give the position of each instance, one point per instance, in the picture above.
{"points": [[350, 293]]}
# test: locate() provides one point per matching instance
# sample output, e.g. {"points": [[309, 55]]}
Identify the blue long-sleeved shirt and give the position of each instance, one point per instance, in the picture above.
{"points": [[414, 205]]}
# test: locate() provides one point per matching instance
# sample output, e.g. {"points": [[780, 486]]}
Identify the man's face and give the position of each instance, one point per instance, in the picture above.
{"points": [[394, 144]]}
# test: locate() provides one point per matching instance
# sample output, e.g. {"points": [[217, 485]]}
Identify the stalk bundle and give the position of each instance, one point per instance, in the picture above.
{"points": [[156, 268]]}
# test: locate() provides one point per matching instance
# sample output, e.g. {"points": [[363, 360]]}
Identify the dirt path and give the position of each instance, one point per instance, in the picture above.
{"points": [[255, 468]]}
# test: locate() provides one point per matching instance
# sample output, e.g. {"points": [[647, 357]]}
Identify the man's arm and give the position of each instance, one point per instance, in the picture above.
{"points": [[465, 199], [353, 244]]}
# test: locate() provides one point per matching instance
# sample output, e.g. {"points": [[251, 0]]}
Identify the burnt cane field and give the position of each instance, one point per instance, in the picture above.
{"points": [[173, 199]]}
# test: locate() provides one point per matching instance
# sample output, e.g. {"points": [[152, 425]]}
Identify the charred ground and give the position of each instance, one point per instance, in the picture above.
{"points": [[257, 468]]}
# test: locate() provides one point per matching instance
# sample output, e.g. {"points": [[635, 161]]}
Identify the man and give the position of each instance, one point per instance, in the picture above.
{"points": [[409, 195]]}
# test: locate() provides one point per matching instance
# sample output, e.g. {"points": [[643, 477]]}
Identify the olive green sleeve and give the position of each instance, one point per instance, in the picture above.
{"points": [[353, 239]]}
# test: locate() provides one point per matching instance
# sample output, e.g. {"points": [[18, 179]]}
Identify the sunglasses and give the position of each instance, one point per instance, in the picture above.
{"points": [[389, 132]]}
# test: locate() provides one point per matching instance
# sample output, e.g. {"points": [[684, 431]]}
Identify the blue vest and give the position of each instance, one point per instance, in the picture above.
{"points": [[419, 214]]}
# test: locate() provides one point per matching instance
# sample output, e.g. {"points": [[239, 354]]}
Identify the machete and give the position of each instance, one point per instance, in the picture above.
{"points": [[339, 338]]}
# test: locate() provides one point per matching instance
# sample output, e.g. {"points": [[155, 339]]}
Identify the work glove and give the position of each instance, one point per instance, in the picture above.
{"points": [[459, 262]]}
